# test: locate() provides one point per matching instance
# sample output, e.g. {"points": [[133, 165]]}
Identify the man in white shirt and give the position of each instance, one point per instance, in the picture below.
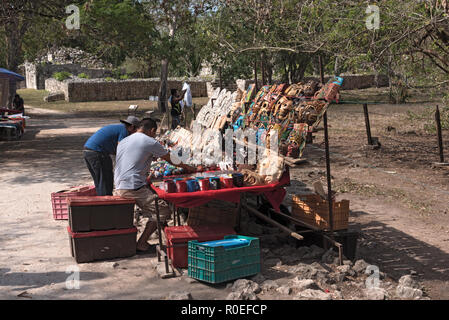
{"points": [[133, 161]]}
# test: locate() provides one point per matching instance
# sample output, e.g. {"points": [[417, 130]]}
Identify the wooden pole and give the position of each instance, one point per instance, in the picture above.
{"points": [[274, 223], [368, 127], [328, 165], [440, 136]]}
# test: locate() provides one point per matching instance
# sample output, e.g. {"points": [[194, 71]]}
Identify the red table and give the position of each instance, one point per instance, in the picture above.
{"points": [[274, 193]]}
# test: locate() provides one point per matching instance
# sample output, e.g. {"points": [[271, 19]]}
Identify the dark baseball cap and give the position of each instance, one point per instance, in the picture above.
{"points": [[131, 120]]}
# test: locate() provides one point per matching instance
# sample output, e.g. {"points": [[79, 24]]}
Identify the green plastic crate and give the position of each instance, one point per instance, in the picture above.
{"points": [[219, 264]]}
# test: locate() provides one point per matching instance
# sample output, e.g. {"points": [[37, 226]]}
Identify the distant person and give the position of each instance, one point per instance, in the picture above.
{"points": [[176, 107], [99, 148], [18, 104]]}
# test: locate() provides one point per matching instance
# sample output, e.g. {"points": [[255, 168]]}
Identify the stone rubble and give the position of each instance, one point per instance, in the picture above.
{"points": [[316, 274], [408, 288], [179, 295], [244, 289], [311, 294]]}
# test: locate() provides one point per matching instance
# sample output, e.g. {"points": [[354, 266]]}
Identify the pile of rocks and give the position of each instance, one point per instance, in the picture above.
{"points": [[65, 55], [311, 273]]}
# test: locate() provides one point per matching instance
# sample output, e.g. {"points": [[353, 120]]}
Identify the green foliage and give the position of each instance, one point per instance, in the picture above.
{"points": [[428, 118], [125, 77], [109, 79], [61, 76], [83, 75]]}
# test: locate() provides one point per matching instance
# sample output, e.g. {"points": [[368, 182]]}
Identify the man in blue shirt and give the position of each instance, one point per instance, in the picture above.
{"points": [[98, 149]]}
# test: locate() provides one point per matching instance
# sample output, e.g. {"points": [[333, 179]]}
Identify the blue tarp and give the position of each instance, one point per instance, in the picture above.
{"points": [[10, 75]]}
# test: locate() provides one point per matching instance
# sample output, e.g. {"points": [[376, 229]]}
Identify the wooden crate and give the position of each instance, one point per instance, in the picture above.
{"points": [[313, 210], [213, 213]]}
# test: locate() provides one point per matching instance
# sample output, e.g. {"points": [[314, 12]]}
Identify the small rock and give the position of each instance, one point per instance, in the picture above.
{"points": [[180, 295], [242, 296], [347, 263], [310, 294], [285, 290], [360, 266], [269, 285], [337, 277], [304, 284], [344, 269], [259, 278], [408, 281], [375, 294], [245, 285], [337, 295], [408, 292]]}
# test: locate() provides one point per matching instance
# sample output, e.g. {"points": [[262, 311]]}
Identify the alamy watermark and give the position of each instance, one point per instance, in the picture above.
{"points": [[73, 280], [73, 21], [373, 20], [373, 280]]}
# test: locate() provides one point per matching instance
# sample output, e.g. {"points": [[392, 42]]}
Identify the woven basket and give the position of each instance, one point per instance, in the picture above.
{"points": [[213, 213], [313, 210]]}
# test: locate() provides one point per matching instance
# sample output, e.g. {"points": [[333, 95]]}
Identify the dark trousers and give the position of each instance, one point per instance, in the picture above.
{"points": [[100, 167], [175, 122]]}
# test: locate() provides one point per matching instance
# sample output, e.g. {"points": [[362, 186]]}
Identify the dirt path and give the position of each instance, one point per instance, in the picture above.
{"points": [[34, 249], [400, 233]]}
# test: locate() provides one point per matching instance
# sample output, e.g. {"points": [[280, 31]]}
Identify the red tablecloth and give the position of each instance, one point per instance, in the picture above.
{"points": [[274, 192]]}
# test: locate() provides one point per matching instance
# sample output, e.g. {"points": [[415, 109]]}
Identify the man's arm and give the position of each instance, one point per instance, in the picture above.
{"points": [[186, 167]]}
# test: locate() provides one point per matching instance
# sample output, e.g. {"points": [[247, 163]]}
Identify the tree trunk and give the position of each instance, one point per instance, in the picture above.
{"points": [[13, 45], [162, 104]]}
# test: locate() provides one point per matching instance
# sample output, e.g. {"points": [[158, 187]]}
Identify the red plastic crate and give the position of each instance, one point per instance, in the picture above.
{"points": [[59, 200], [178, 238]]}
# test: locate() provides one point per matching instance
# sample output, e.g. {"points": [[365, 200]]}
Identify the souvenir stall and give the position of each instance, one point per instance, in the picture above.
{"points": [[12, 122], [288, 111]]}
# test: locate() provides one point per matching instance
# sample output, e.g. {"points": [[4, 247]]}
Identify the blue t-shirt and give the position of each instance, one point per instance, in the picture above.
{"points": [[107, 138]]}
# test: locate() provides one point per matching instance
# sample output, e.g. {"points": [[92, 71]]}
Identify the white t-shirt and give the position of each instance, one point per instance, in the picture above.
{"points": [[133, 161]]}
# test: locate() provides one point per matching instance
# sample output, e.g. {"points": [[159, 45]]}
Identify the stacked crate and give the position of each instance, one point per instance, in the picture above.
{"points": [[179, 237], [101, 228], [59, 200]]}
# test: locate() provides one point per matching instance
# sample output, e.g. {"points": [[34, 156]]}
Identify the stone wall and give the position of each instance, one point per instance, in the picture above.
{"points": [[37, 74], [54, 86], [101, 90], [351, 82], [356, 81]]}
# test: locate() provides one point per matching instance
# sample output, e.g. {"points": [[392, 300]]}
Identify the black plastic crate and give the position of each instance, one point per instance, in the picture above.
{"points": [[100, 213], [102, 245]]}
